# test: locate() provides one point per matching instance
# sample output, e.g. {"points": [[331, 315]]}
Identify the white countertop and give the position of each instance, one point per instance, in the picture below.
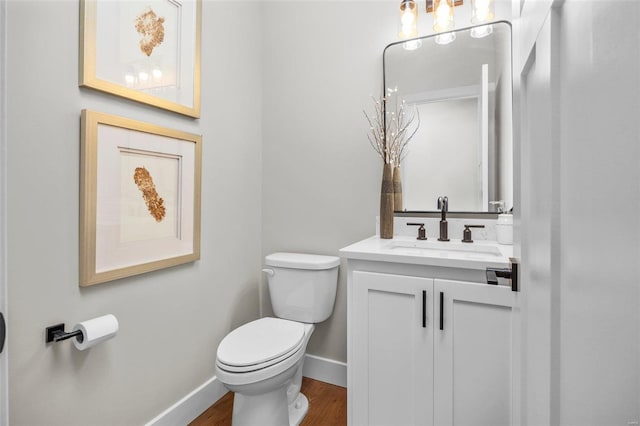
{"points": [[452, 254]]}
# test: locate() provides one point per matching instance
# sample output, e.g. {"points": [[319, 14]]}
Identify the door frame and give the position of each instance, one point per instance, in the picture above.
{"points": [[535, 31], [4, 305]]}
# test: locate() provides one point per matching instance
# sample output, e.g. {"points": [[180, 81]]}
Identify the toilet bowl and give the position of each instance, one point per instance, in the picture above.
{"points": [[267, 386], [262, 361]]}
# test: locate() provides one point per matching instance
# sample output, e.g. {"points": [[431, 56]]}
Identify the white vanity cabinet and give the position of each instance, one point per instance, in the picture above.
{"points": [[473, 354], [391, 362], [414, 359]]}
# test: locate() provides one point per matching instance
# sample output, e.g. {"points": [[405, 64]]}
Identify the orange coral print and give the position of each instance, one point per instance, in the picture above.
{"points": [[149, 26], [154, 202]]}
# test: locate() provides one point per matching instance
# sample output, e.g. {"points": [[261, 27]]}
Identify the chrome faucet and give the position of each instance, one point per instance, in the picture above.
{"points": [[443, 206]]}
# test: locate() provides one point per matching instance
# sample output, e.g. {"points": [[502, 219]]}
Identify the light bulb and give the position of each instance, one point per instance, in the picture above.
{"points": [[481, 11], [443, 15], [407, 18], [442, 12], [157, 74], [129, 79], [482, 14], [143, 76], [407, 25]]}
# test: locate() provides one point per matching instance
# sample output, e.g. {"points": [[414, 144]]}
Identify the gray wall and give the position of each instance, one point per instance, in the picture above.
{"points": [[171, 321], [599, 106], [321, 179], [286, 166]]}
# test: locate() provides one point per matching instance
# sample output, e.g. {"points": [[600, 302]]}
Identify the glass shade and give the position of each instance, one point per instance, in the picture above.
{"points": [[443, 15], [408, 19], [482, 11]]}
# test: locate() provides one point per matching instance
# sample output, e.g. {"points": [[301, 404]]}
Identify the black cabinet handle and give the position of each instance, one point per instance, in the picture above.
{"points": [[514, 274], [3, 332], [441, 311], [424, 309]]}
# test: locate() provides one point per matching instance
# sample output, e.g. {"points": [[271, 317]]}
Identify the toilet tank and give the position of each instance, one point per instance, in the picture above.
{"points": [[302, 286]]}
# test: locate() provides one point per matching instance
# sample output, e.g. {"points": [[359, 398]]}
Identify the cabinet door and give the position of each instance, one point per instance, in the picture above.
{"points": [[392, 353], [473, 354]]}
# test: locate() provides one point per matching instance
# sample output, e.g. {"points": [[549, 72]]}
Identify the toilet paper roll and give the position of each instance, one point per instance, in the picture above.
{"points": [[95, 331]]}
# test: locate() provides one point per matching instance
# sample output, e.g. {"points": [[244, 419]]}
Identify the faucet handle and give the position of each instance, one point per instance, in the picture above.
{"points": [[443, 203], [466, 234], [422, 233]]}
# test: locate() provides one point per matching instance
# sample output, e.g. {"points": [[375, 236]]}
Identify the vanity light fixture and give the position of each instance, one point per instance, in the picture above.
{"points": [[408, 19], [481, 11], [443, 21], [409, 24]]}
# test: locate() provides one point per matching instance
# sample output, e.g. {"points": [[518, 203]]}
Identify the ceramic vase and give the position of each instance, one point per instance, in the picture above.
{"points": [[386, 203], [397, 190]]}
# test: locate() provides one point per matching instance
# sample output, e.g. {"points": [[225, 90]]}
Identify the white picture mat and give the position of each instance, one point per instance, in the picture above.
{"points": [[113, 253], [119, 58]]}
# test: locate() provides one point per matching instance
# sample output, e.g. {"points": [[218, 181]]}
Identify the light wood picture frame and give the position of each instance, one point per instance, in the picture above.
{"points": [[145, 51], [139, 197]]}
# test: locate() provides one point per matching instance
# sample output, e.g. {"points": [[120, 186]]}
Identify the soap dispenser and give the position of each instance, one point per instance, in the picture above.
{"points": [[504, 225]]}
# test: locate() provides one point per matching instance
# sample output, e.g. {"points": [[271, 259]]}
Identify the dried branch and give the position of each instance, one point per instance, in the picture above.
{"points": [[390, 135], [377, 132]]}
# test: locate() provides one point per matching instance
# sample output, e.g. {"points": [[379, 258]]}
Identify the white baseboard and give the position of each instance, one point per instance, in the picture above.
{"points": [[326, 370], [197, 401], [191, 406]]}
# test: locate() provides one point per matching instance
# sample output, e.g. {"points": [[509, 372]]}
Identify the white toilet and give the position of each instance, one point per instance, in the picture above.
{"points": [[262, 361]]}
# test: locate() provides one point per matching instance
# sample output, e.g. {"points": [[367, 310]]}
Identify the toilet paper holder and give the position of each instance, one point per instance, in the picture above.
{"points": [[56, 333]]}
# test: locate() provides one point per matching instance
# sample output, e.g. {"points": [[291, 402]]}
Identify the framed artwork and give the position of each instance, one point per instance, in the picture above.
{"points": [[139, 197], [148, 51]]}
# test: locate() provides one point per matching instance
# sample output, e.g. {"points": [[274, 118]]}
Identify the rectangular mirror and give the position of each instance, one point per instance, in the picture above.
{"points": [[462, 92]]}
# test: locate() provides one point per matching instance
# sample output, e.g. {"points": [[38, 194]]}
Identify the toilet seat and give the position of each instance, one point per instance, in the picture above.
{"points": [[260, 344], [259, 366]]}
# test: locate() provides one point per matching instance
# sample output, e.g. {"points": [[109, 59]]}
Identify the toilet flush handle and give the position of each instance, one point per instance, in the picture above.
{"points": [[269, 272]]}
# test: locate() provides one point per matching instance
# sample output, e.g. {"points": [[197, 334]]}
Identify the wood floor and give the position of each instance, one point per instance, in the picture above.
{"points": [[327, 406]]}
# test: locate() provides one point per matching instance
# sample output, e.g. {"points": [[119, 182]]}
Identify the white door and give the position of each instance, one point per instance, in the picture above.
{"points": [[474, 355], [392, 350], [4, 405], [539, 205]]}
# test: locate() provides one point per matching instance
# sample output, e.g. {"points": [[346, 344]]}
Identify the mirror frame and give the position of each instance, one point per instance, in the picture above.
{"points": [[456, 214]]}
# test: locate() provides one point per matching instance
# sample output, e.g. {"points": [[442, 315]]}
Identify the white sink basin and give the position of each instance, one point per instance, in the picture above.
{"points": [[454, 254], [446, 249]]}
